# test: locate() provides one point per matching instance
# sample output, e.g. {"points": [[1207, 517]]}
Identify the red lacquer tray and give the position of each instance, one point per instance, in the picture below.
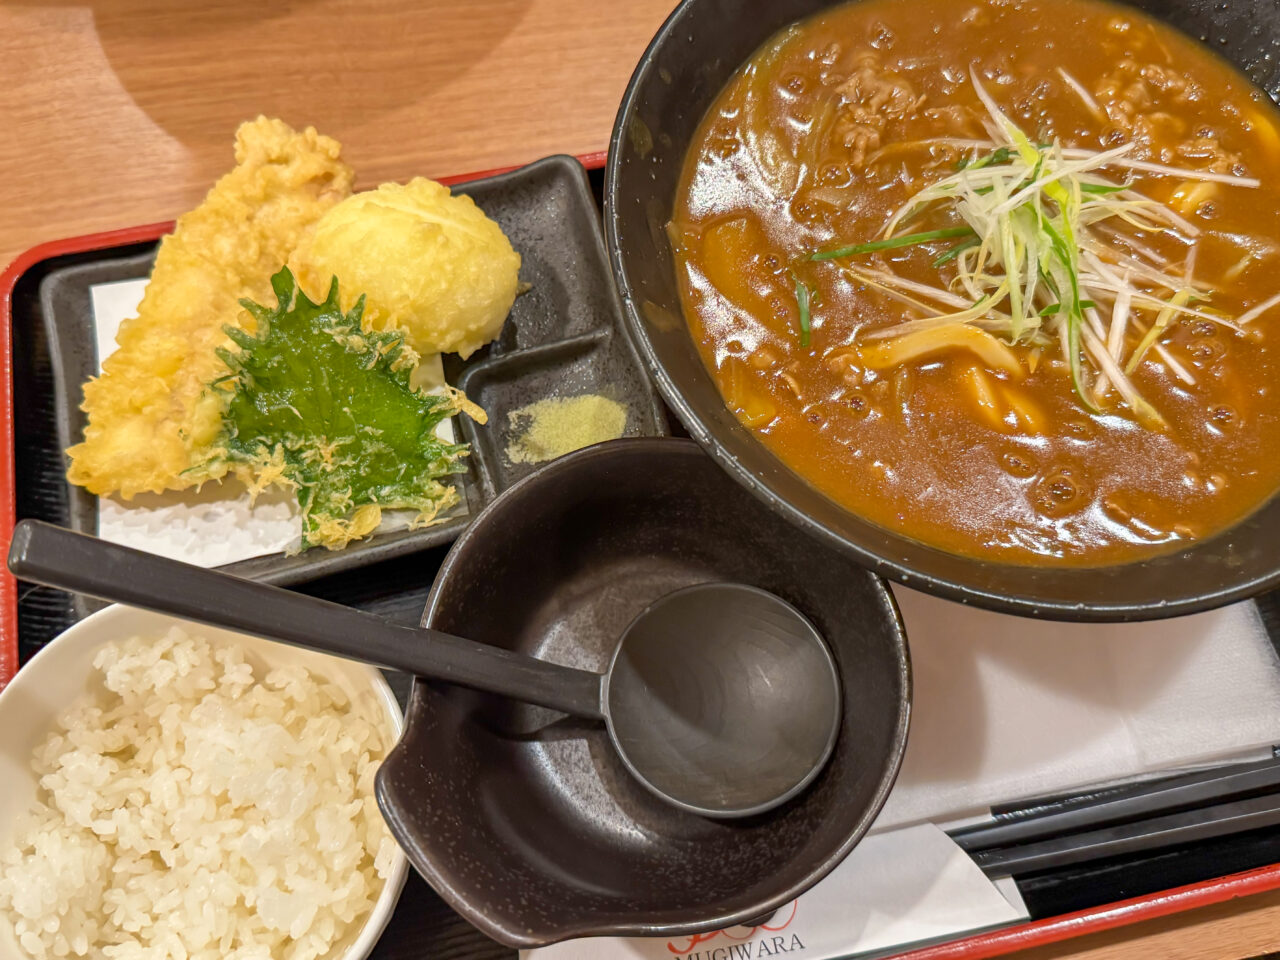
{"points": [[989, 944]]}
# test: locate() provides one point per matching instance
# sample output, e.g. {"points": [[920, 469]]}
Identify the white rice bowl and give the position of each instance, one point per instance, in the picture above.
{"points": [[220, 807]]}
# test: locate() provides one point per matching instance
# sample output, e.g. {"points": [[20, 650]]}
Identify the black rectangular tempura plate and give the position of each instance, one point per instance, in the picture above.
{"points": [[562, 338]]}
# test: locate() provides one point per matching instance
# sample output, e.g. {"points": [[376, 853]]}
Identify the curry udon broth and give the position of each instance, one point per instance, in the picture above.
{"points": [[931, 403]]}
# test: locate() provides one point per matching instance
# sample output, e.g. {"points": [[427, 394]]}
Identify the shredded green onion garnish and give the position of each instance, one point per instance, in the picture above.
{"points": [[1053, 308], [958, 249], [1102, 189], [1002, 155], [1031, 255], [893, 243], [803, 298]]}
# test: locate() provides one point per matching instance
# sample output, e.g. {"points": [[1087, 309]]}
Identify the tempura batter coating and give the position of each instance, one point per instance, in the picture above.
{"points": [[152, 420], [428, 263]]}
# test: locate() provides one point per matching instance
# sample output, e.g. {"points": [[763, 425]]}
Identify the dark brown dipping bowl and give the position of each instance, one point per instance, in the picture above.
{"points": [[685, 67], [525, 821]]}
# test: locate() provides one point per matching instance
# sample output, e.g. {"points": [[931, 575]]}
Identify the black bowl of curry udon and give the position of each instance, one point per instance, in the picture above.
{"points": [[986, 293]]}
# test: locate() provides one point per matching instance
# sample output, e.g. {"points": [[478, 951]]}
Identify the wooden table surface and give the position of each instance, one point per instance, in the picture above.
{"points": [[121, 112]]}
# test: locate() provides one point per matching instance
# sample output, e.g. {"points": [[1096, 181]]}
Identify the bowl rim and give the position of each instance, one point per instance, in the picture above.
{"points": [[384, 906], [1081, 610], [527, 936]]}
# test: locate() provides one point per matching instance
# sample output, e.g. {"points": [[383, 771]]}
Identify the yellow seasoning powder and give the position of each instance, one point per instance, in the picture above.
{"points": [[558, 425]]}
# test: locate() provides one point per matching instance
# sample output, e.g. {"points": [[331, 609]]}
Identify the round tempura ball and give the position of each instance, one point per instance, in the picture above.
{"points": [[427, 262]]}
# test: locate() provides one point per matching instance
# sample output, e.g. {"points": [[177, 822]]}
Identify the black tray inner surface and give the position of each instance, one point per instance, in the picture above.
{"points": [[424, 927]]}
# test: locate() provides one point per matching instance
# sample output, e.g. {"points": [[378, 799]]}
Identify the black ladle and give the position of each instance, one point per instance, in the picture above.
{"points": [[720, 698]]}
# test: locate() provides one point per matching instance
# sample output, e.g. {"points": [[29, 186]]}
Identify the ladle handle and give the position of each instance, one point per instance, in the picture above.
{"points": [[57, 557]]}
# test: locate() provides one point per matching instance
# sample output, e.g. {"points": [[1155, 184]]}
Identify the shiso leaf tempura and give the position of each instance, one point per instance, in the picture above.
{"points": [[327, 408], [1033, 267]]}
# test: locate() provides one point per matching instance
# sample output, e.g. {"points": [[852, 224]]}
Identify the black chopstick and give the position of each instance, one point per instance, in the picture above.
{"points": [[1186, 826], [1139, 802]]}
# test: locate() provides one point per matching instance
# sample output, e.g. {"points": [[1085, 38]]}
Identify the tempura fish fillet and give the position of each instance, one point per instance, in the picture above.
{"points": [[151, 419]]}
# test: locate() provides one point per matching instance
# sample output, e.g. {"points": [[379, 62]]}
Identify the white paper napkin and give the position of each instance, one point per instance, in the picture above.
{"points": [[907, 886], [1006, 708], [217, 524]]}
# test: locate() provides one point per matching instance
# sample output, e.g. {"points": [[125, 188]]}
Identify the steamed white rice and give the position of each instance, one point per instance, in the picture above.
{"points": [[201, 807]]}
